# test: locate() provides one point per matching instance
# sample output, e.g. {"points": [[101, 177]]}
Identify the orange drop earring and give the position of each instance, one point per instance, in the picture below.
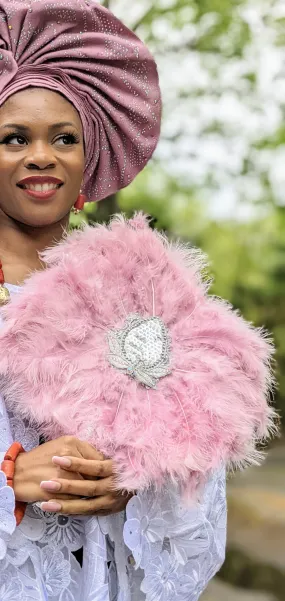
{"points": [[79, 205]]}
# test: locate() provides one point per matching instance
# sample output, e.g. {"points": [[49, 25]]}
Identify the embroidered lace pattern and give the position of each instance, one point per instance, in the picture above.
{"points": [[156, 551]]}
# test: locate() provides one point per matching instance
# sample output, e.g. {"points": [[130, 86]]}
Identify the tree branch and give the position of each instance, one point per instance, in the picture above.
{"points": [[106, 208]]}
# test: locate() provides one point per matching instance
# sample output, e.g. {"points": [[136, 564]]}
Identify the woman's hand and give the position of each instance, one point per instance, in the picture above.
{"points": [[100, 498], [37, 465]]}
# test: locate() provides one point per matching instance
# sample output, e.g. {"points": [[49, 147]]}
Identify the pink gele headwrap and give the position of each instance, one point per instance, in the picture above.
{"points": [[81, 50]]}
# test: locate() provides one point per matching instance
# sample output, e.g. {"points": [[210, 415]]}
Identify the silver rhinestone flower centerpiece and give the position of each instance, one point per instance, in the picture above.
{"points": [[141, 349]]}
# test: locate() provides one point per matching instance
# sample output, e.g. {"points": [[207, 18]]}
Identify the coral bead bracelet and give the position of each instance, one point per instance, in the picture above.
{"points": [[8, 467]]}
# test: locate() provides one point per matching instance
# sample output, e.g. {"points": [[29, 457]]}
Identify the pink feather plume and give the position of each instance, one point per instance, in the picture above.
{"points": [[212, 409]]}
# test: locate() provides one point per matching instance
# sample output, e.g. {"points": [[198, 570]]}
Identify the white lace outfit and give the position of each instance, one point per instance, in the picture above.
{"points": [[154, 551]]}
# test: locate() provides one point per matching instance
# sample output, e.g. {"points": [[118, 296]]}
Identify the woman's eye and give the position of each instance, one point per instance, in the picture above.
{"points": [[9, 139], [66, 138], [71, 139]]}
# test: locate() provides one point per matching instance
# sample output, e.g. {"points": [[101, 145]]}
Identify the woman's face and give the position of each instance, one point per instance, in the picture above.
{"points": [[45, 140]]}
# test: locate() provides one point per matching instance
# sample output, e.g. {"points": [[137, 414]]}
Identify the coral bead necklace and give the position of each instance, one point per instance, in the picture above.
{"points": [[4, 292]]}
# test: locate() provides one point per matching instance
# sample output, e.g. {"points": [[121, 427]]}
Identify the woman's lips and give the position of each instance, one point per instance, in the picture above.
{"points": [[41, 195]]}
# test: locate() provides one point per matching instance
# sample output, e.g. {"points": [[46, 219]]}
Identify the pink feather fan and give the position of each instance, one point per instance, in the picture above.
{"points": [[119, 343]]}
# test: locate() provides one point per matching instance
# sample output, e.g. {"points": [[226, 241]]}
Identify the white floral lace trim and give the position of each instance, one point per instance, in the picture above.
{"points": [[179, 549]]}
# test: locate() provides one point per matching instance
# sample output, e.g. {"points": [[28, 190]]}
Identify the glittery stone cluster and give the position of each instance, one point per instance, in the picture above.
{"points": [[141, 349]]}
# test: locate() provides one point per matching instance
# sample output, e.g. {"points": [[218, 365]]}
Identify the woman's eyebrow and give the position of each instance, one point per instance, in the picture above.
{"points": [[25, 128]]}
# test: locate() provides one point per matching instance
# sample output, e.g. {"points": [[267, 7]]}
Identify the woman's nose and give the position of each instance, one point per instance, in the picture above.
{"points": [[40, 155]]}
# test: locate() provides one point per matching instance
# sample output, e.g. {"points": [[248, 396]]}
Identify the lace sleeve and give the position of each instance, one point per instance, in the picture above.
{"points": [[7, 518], [177, 549], [7, 499]]}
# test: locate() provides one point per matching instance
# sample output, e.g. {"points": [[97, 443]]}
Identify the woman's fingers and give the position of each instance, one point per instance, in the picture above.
{"points": [[88, 451], [105, 505], [88, 467], [80, 488]]}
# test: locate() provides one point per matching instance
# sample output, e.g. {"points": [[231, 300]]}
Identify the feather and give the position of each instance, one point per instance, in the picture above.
{"points": [[61, 367]]}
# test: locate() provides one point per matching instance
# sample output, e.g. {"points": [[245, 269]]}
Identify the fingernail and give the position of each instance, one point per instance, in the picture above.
{"points": [[50, 506], [64, 461], [50, 485]]}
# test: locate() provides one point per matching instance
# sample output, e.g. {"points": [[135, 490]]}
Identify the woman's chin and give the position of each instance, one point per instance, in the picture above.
{"points": [[42, 218]]}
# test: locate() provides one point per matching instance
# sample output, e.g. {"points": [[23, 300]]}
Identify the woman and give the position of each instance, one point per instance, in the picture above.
{"points": [[80, 111]]}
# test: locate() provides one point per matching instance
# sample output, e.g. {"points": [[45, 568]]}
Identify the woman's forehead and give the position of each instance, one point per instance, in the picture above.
{"points": [[39, 105]]}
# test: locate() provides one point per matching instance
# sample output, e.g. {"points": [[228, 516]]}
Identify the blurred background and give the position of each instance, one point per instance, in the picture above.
{"points": [[217, 180]]}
